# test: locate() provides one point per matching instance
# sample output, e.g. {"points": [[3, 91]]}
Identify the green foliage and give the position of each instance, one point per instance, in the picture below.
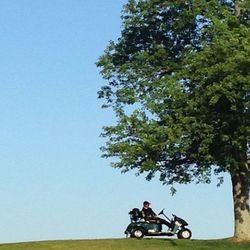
{"points": [[219, 84], [179, 81]]}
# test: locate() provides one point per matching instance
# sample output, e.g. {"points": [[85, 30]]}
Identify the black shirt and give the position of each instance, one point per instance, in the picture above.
{"points": [[148, 213]]}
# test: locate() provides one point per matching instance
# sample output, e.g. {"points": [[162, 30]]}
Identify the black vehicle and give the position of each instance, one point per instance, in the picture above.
{"points": [[138, 228]]}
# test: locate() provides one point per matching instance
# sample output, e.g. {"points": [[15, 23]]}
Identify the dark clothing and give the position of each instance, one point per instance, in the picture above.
{"points": [[164, 222], [148, 214]]}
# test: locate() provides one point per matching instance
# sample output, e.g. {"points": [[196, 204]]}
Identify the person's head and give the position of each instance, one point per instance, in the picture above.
{"points": [[146, 204]]}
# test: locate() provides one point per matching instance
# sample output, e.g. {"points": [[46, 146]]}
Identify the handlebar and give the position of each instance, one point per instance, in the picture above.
{"points": [[162, 211]]}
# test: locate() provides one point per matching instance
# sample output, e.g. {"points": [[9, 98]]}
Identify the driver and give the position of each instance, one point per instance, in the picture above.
{"points": [[148, 214]]}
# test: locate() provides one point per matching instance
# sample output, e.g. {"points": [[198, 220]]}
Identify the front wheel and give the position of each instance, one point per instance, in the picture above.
{"points": [[184, 233], [137, 233]]}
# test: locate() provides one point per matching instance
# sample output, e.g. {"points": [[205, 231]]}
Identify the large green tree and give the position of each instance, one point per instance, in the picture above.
{"points": [[179, 83]]}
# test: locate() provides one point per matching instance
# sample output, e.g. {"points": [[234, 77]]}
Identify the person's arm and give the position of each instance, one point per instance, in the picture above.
{"points": [[143, 213], [152, 212]]}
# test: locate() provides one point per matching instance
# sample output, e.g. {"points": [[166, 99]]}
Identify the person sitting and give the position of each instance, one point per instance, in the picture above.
{"points": [[149, 215]]}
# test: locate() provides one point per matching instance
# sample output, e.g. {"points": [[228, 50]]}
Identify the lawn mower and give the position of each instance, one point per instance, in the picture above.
{"points": [[138, 228]]}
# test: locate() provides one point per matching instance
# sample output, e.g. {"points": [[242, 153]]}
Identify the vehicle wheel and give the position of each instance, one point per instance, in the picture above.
{"points": [[138, 233], [184, 234]]}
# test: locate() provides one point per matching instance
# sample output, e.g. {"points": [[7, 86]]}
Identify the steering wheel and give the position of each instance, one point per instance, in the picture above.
{"points": [[162, 211]]}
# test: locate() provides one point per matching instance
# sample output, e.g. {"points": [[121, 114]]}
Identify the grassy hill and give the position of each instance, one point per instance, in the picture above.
{"points": [[127, 244]]}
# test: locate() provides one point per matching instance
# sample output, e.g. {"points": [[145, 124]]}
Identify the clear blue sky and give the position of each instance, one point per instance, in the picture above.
{"points": [[53, 182]]}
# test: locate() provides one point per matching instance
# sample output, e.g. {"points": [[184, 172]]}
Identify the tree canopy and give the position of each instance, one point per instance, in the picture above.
{"points": [[179, 81]]}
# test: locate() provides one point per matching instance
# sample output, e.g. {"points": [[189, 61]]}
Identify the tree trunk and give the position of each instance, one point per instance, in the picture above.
{"points": [[241, 188]]}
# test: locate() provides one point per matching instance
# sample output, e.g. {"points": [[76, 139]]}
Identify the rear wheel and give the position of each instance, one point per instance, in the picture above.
{"points": [[138, 233], [184, 233]]}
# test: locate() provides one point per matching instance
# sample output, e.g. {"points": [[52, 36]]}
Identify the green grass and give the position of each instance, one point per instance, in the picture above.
{"points": [[127, 244]]}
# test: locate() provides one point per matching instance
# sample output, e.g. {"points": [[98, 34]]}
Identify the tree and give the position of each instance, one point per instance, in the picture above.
{"points": [[179, 81]]}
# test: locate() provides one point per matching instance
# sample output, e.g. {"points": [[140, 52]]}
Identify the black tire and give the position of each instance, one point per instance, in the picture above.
{"points": [[184, 233], [138, 233]]}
